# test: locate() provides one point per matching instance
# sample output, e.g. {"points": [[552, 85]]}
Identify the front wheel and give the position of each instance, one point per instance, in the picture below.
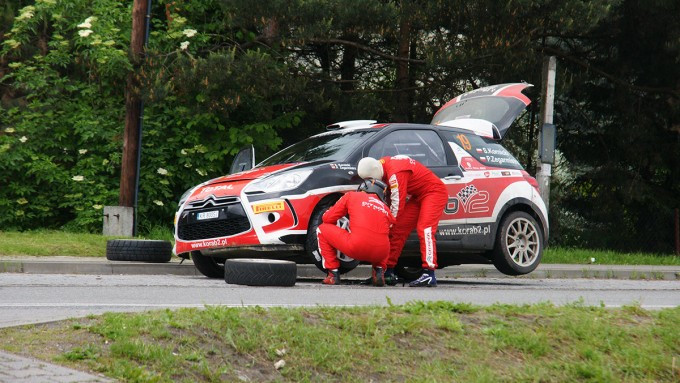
{"points": [[312, 244], [519, 244], [208, 266]]}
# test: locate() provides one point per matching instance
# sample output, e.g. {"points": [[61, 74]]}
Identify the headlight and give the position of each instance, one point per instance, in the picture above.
{"points": [[280, 182]]}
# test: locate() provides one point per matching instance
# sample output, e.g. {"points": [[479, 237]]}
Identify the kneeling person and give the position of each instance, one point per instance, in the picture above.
{"points": [[368, 240]]}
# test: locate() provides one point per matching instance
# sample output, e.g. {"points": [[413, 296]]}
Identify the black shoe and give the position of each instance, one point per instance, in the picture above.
{"points": [[391, 278]]}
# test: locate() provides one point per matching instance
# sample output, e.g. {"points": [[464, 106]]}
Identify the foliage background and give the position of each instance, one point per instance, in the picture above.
{"points": [[222, 74]]}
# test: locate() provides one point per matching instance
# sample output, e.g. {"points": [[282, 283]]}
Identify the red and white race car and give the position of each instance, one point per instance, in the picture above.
{"points": [[494, 215]]}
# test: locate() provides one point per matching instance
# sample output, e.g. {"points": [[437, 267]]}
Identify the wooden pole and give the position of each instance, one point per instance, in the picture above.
{"points": [[548, 100], [133, 107]]}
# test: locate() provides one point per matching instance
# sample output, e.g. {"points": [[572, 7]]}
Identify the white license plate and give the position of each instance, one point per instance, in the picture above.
{"points": [[208, 215]]}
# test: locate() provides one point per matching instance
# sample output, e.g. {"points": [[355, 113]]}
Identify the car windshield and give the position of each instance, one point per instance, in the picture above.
{"points": [[332, 146]]}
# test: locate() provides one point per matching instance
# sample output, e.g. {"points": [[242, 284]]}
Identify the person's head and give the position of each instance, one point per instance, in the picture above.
{"points": [[369, 167], [377, 187]]}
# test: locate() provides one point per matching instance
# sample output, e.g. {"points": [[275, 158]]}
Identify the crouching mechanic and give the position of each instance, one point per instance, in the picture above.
{"points": [[369, 219], [428, 196]]}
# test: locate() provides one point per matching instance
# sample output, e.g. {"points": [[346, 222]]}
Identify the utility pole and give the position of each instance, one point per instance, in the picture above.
{"points": [[133, 110], [548, 101]]}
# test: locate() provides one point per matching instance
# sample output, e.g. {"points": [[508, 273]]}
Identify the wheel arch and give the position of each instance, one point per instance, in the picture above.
{"points": [[527, 206]]}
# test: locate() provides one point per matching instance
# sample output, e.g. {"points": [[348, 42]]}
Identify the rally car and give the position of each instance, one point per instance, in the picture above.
{"points": [[270, 211]]}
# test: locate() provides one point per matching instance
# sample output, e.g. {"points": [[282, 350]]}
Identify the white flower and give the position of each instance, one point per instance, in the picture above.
{"points": [[184, 45], [85, 32], [97, 207], [201, 172], [280, 364], [82, 151], [85, 25], [189, 32], [77, 178], [105, 161], [26, 13], [184, 152], [22, 201], [162, 171], [9, 130], [23, 139], [159, 203], [187, 165]]}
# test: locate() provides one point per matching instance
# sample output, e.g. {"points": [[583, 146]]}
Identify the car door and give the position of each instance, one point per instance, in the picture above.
{"points": [[427, 147], [488, 169]]}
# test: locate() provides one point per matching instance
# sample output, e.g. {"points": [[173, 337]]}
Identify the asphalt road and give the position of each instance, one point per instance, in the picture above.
{"points": [[33, 298]]}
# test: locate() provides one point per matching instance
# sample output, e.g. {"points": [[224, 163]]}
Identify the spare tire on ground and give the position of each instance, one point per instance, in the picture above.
{"points": [[139, 250], [260, 272]]}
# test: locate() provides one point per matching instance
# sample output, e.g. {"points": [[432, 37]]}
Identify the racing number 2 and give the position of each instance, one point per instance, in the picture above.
{"points": [[464, 141]]}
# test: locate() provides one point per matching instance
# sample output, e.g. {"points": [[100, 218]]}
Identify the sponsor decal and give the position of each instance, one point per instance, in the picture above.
{"points": [[451, 206], [378, 205], [487, 174], [404, 157], [506, 174], [429, 247], [268, 206], [209, 243], [473, 200], [465, 230], [216, 188], [468, 163], [342, 166]]}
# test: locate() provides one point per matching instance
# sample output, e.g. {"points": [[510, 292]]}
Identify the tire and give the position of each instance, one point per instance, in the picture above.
{"points": [[312, 243], [138, 250], [260, 272], [519, 244], [409, 273], [208, 266]]}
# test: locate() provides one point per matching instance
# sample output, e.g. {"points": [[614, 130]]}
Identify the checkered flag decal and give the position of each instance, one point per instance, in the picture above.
{"points": [[467, 192]]}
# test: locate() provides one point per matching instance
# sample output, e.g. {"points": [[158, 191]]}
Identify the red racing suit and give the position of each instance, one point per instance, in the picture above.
{"points": [[417, 200], [369, 220]]}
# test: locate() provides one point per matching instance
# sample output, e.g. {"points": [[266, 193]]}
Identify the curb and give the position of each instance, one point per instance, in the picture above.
{"points": [[102, 266]]}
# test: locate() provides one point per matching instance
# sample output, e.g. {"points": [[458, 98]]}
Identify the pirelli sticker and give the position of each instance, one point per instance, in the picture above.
{"points": [[268, 206]]}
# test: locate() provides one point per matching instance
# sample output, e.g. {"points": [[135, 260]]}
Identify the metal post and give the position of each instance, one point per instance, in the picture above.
{"points": [[548, 100], [677, 232]]}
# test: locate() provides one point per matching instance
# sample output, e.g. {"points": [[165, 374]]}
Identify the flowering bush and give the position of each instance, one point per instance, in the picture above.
{"points": [[61, 132]]}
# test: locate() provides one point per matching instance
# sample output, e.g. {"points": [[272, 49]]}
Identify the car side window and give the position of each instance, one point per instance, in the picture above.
{"points": [[486, 151], [424, 146]]}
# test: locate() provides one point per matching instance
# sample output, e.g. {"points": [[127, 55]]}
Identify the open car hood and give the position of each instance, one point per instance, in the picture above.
{"points": [[499, 105]]}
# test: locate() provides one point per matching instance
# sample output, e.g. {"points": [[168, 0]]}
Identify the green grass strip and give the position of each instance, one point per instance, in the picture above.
{"points": [[438, 342]]}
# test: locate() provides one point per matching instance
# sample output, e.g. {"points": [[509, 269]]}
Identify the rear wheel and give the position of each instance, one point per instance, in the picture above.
{"points": [[208, 266], [312, 243], [519, 244]]}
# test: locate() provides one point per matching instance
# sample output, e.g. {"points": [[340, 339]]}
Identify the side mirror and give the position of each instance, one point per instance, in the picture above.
{"points": [[244, 160], [548, 143]]}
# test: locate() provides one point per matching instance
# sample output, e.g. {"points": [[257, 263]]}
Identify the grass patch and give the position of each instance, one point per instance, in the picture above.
{"points": [[53, 242], [435, 341], [43, 243], [606, 257]]}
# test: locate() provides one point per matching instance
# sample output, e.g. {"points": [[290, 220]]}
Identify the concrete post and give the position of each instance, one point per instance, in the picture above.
{"points": [[548, 101], [118, 221]]}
